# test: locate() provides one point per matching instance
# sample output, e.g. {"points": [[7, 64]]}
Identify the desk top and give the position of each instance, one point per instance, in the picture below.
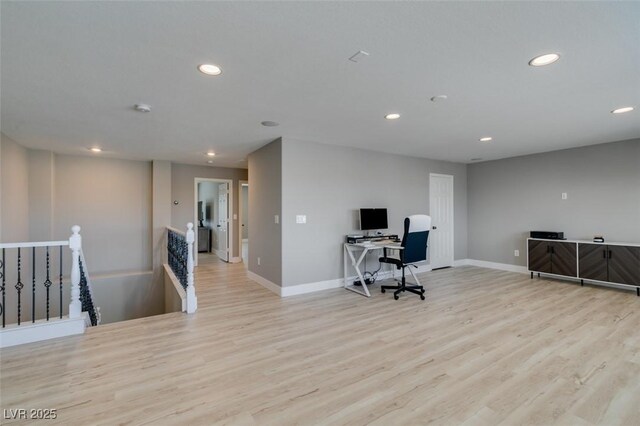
{"points": [[377, 244]]}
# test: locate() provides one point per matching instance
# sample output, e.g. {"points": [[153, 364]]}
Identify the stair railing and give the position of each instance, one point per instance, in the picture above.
{"points": [[43, 263], [180, 259]]}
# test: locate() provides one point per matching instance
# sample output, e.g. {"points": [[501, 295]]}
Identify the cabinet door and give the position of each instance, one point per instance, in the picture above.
{"points": [[564, 259], [593, 261], [539, 256], [624, 265]]}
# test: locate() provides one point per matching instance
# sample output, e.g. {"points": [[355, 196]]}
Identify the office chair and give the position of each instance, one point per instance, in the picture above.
{"points": [[413, 249]]}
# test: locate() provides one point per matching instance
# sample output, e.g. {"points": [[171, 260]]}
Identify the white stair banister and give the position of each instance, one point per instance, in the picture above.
{"points": [[75, 244], [192, 300]]}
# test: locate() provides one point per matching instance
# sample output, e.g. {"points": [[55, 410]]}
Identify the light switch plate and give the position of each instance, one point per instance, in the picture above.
{"points": [[516, 253], [276, 219], [564, 195], [235, 216], [301, 218]]}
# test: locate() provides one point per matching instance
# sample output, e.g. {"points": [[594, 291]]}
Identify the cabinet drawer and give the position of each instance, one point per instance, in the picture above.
{"points": [[564, 259], [624, 265], [593, 261]]}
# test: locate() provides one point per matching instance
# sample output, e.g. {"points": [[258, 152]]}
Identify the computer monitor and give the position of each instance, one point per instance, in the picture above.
{"points": [[373, 219]]}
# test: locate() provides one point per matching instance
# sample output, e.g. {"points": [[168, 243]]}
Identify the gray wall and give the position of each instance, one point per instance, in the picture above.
{"points": [[508, 198], [265, 199], [14, 191], [329, 184], [183, 190]]}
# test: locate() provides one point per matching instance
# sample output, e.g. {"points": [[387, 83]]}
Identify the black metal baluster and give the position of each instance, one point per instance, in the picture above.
{"points": [[47, 283], [19, 286], [60, 282], [3, 287], [33, 284]]}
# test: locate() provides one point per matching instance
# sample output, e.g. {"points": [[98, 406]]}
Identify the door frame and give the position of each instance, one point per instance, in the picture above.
{"points": [[453, 213], [241, 208], [230, 232]]}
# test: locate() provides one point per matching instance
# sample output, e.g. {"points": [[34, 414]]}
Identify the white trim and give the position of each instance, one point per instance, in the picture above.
{"points": [[177, 231], [453, 212], [493, 265], [36, 244], [311, 287], [460, 262], [235, 259], [339, 282], [241, 207], [265, 283], [230, 222], [15, 334]]}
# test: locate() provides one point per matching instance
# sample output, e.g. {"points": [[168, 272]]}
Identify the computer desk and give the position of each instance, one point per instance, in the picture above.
{"points": [[351, 250]]}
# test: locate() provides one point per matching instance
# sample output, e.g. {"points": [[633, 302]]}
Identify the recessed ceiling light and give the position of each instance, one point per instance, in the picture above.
{"points": [[542, 60], [269, 123], [95, 149], [393, 116], [439, 98], [622, 110], [209, 69], [211, 154], [210, 161], [486, 139]]}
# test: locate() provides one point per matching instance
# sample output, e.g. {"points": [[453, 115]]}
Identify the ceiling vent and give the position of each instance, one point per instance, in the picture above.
{"points": [[359, 56]]}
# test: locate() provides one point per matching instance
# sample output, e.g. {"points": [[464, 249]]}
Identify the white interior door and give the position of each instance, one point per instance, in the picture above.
{"points": [[441, 206], [223, 222]]}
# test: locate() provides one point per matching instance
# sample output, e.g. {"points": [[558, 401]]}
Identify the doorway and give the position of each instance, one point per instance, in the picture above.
{"points": [[441, 211], [243, 238], [212, 210]]}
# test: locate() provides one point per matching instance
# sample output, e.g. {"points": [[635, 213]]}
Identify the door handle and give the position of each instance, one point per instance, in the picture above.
{"points": [[434, 227]]}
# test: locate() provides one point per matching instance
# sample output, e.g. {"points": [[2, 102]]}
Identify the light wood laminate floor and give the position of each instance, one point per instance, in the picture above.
{"points": [[485, 348]]}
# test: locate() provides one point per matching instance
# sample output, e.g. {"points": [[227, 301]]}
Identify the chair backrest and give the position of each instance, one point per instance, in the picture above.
{"points": [[414, 240]]}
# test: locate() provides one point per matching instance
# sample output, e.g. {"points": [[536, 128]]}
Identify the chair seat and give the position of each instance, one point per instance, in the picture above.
{"points": [[392, 260]]}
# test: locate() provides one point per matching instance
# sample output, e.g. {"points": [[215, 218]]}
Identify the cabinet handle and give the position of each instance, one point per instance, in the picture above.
{"points": [[604, 254], [553, 250], [609, 254], [548, 249]]}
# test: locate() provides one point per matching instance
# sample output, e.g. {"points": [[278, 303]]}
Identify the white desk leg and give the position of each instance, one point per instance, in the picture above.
{"points": [[356, 264], [344, 264]]}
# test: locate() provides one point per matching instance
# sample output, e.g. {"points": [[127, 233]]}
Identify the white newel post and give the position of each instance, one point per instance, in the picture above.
{"points": [[192, 300], [75, 244]]}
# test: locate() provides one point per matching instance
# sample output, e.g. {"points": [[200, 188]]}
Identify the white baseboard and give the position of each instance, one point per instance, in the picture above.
{"points": [[311, 287], [235, 260], [318, 285], [15, 334], [493, 265], [265, 283]]}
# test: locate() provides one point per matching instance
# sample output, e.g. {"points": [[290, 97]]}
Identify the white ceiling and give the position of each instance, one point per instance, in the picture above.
{"points": [[71, 72]]}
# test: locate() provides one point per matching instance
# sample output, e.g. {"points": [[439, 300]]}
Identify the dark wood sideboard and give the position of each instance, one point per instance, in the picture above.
{"points": [[615, 263]]}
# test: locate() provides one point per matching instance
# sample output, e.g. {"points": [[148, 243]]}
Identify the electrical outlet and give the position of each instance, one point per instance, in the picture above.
{"points": [[516, 253], [301, 218], [564, 195], [235, 216], [258, 261], [276, 219]]}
